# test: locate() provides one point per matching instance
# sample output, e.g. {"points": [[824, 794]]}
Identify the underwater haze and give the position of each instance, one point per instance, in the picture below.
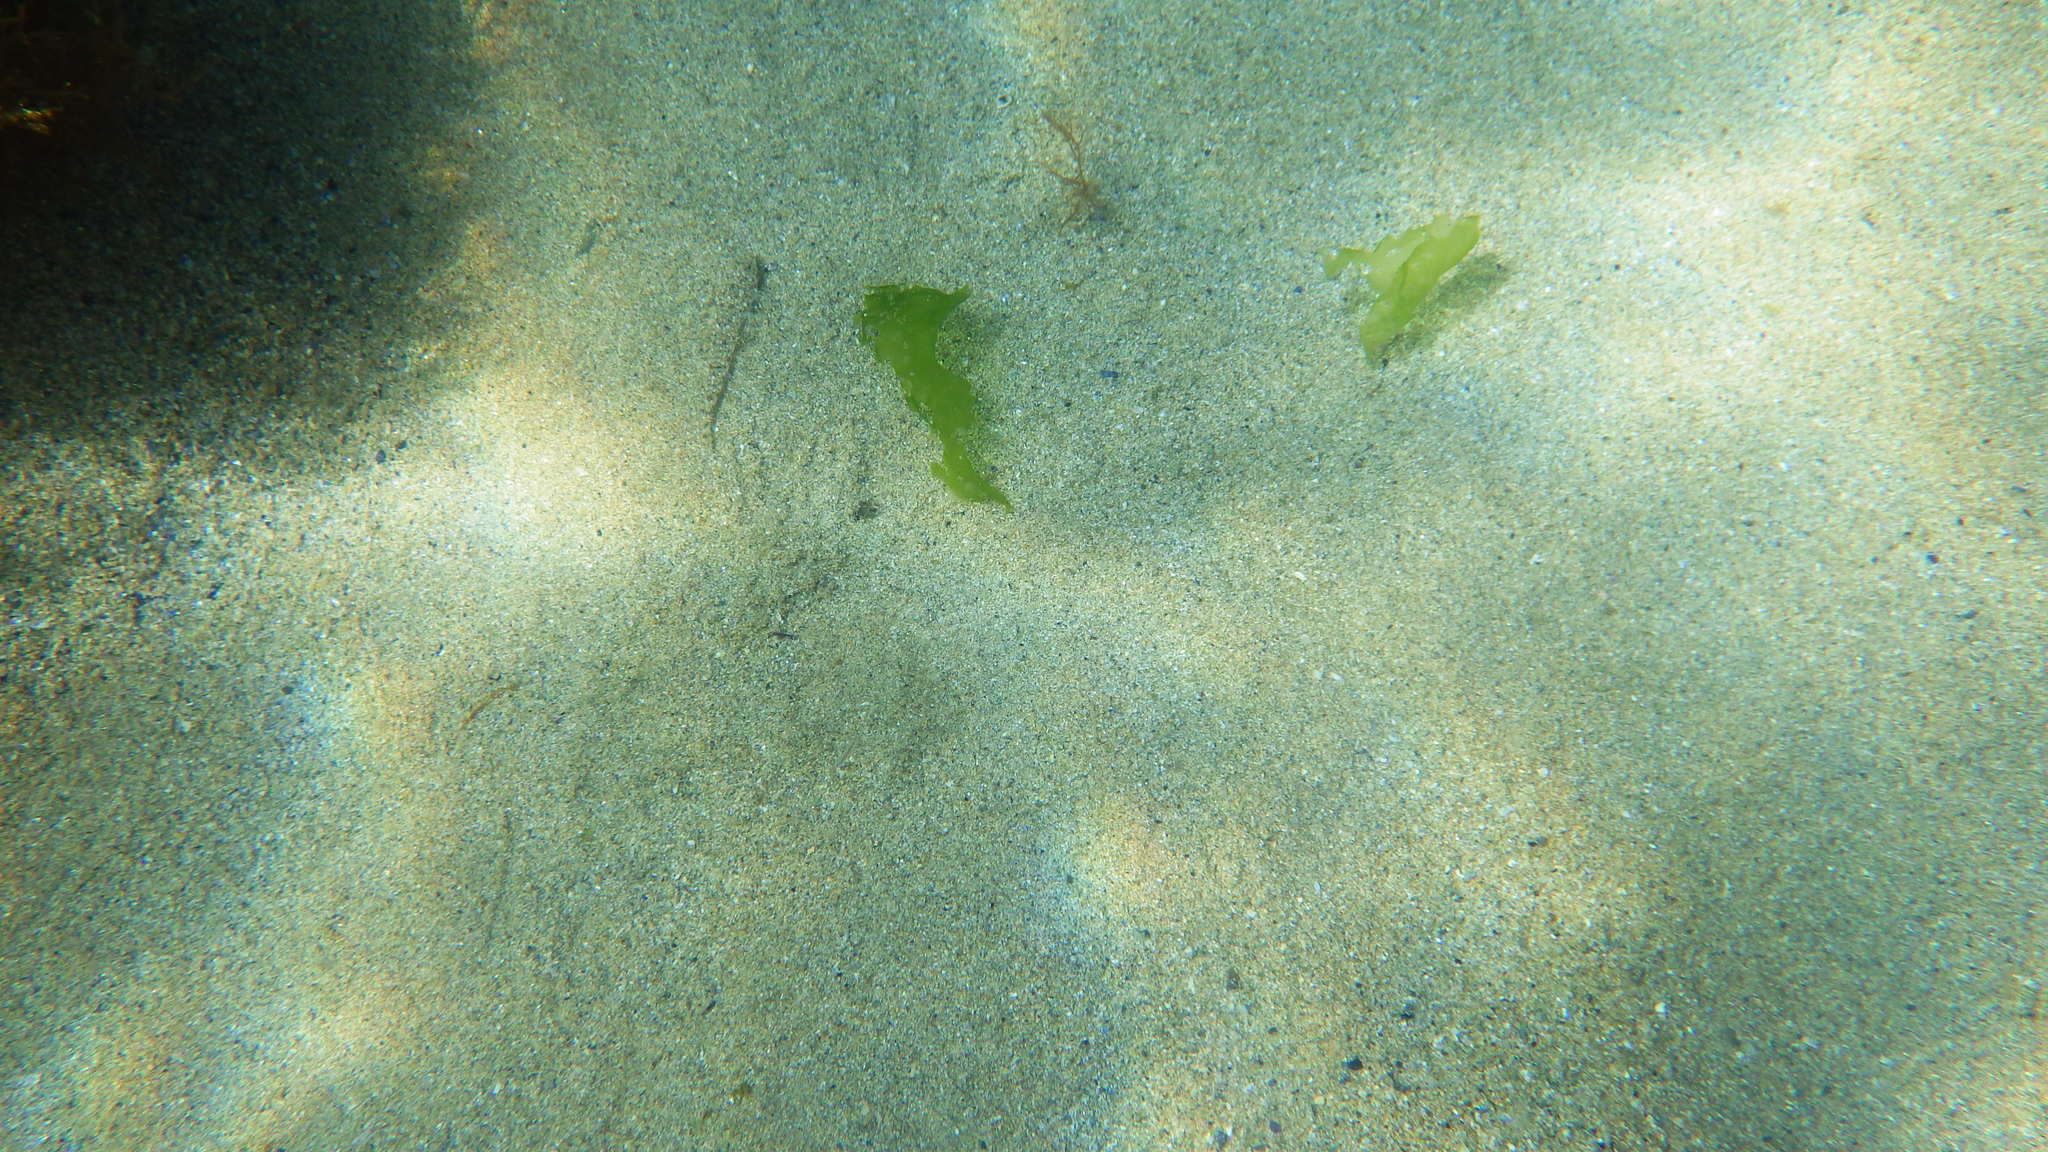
{"points": [[502, 648]]}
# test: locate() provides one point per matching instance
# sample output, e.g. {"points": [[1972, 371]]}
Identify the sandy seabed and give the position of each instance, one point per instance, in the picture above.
{"points": [[1612, 721]]}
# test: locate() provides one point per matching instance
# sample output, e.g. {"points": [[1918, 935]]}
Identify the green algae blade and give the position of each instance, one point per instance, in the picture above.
{"points": [[900, 323], [1402, 270]]}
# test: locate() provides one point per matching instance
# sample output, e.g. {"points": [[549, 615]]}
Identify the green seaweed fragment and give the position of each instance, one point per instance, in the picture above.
{"points": [[1402, 270], [901, 323]]}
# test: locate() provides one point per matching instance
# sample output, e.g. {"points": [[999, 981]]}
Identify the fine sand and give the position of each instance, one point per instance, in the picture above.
{"points": [[1615, 721]]}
